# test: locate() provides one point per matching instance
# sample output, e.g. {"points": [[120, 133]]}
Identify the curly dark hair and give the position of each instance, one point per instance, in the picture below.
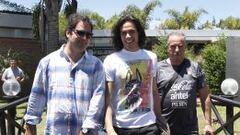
{"points": [[116, 31]]}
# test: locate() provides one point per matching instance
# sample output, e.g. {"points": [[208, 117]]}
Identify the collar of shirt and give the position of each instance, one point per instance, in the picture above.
{"points": [[64, 55]]}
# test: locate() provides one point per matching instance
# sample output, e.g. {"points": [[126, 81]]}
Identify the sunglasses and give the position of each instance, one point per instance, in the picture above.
{"points": [[82, 33]]}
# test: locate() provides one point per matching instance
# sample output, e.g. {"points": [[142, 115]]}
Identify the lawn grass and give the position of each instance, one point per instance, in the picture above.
{"points": [[222, 111], [40, 128]]}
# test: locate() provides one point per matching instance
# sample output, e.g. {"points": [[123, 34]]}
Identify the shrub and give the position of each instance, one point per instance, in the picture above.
{"points": [[214, 62], [161, 48]]}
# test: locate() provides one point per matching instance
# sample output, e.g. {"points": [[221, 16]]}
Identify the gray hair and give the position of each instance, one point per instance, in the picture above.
{"points": [[180, 34]]}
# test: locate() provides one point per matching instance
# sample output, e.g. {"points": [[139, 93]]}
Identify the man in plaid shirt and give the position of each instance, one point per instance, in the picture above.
{"points": [[71, 83]]}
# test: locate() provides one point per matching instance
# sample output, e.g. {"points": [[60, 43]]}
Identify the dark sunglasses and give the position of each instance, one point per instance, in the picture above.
{"points": [[82, 33]]}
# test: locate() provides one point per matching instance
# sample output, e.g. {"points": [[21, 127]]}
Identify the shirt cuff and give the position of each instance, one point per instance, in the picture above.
{"points": [[32, 120]]}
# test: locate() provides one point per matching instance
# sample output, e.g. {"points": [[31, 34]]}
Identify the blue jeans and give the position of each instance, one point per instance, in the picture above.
{"points": [[147, 130]]}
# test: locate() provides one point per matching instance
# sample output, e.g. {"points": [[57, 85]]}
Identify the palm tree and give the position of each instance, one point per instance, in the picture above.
{"points": [[71, 7], [185, 20], [52, 9], [49, 11], [142, 14]]}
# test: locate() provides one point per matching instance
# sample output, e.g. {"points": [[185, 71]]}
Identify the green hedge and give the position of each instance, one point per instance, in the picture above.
{"points": [[214, 63]]}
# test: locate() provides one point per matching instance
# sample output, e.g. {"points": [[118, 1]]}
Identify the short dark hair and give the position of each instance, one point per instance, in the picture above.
{"points": [[74, 19], [116, 31]]}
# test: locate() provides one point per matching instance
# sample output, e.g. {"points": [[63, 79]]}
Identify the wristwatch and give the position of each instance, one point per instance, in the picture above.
{"points": [[84, 130]]}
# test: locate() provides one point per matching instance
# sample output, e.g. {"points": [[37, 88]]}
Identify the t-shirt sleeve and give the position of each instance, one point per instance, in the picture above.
{"points": [[154, 65], [201, 80], [21, 73], [108, 67]]}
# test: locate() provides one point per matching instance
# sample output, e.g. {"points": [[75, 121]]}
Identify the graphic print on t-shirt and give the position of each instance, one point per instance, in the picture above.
{"points": [[135, 87], [179, 93]]}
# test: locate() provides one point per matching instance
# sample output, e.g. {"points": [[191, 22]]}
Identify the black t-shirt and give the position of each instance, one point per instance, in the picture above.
{"points": [[179, 103]]}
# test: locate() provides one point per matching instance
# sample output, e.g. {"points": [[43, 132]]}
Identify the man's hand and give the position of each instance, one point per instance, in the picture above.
{"points": [[18, 78], [30, 130], [208, 130], [80, 133], [111, 132]]}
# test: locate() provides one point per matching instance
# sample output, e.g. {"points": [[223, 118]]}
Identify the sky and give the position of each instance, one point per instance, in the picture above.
{"points": [[218, 9]]}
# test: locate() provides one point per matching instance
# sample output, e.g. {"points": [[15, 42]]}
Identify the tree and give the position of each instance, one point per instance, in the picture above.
{"points": [[185, 20], [70, 8], [52, 8], [36, 14], [98, 20], [214, 63], [46, 22], [62, 24], [142, 14], [15, 6], [112, 21], [207, 25], [230, 22], [170, 24]]}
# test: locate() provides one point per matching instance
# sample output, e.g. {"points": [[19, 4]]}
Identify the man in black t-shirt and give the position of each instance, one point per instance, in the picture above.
{"points": [[179, 80]]}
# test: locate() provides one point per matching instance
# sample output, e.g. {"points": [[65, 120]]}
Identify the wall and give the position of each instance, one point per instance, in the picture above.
{"points": [[233, 60]]}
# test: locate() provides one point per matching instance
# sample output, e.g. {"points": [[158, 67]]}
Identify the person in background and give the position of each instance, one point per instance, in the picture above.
{"points": [[71, 83], [132, 101], [180, 81], [13, 72]]}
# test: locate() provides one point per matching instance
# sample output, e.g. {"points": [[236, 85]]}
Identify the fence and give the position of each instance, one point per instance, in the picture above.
{"points": [[7, 116]]}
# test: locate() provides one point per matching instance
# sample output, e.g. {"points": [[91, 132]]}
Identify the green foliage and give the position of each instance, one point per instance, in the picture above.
{"points": [[185, 20], [170, 24], [142, 14], [161, 48], [98, 20], [112, 21], [230, 22], [19, 56], [214, 63], [190, 55], [207, 25], [62, 25]]}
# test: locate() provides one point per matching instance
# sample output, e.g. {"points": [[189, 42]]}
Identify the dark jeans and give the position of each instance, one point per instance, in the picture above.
{"points": [[147, 130]]}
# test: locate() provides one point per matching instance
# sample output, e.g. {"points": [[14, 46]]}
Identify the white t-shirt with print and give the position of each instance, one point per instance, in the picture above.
{"points": [[132, 74]]}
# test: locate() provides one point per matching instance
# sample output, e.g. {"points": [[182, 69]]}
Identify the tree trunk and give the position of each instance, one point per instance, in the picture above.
{"points": [[52, 9]]}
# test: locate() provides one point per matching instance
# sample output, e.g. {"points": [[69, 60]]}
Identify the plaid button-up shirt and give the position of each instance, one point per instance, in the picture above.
{"points": [[73, 94]]}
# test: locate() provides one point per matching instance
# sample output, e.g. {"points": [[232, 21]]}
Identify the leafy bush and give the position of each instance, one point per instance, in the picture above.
{"points": [[161, 48], [214, 62], [11, 54]]}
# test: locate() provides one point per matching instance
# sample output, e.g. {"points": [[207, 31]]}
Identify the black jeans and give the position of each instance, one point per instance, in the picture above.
{"points": [[147, 130]]}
